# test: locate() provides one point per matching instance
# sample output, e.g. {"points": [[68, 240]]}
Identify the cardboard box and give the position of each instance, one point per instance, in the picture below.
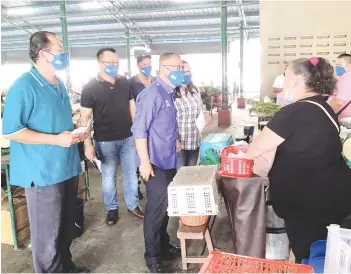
{"points": [[21, 217]]}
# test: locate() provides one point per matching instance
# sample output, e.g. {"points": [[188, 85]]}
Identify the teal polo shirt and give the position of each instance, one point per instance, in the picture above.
{"points": [[35, 104]]}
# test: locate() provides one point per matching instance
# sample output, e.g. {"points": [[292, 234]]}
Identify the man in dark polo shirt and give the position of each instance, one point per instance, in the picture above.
{"points": [[137, 84], [109, 99], [155, 133]]}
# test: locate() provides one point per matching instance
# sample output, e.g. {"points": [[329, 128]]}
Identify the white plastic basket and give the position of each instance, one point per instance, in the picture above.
{"points": [[193, 192], [338, 254]]}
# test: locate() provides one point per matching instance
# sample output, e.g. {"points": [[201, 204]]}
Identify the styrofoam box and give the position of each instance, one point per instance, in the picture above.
{"points": [[338, 254], [193, 192]]}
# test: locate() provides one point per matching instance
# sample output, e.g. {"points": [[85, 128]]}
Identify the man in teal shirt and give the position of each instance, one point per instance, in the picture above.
{"points": [[44, 156]]}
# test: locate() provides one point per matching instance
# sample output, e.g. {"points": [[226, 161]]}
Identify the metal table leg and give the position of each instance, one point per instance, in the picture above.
{"points": [[11, 207]]}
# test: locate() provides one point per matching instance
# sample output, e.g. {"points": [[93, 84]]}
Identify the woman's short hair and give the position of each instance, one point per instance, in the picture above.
{"points": [[318, 74]]}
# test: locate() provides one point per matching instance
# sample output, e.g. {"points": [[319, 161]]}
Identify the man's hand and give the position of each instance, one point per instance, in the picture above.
{"points": [[146, 171], [67, 139], [89, 152], [179, 147]]}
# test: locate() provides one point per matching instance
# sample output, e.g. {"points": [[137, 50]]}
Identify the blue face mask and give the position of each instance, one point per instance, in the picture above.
{"points": [[146, 70], [339, 70], [111, 70], [176, 77], [60, 61], [187, 79], [288, 99]]}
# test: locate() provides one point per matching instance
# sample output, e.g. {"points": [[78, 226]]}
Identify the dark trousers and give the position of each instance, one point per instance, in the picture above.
{"points": [[187, 158], [156, 218], [52, 213], [302, 231]]}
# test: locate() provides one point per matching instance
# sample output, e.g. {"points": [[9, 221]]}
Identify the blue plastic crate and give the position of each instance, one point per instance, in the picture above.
{"points": [[215, 142]]}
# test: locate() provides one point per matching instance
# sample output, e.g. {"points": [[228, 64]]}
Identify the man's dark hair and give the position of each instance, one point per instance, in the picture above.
{"points": [[37, 42], [101, 51], [346, 57]]}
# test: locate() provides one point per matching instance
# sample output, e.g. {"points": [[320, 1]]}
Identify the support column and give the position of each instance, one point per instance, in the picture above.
{"points": [[224, 114], [241, 91], [128, 51], [65, 38], [224, 47]]}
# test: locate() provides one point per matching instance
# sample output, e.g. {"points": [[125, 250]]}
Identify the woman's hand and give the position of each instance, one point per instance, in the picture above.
{"points": [[179, 147]]}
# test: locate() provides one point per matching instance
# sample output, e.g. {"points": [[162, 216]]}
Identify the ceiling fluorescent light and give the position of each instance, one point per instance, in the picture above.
{"points": [[93, 5], [20, 11]]}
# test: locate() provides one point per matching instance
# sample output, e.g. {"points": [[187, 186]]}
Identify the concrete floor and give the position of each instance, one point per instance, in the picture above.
{"points": [[119, 248]]}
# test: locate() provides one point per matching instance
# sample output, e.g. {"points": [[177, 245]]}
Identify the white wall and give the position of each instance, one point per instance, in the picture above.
{"points": [[295, 29]]}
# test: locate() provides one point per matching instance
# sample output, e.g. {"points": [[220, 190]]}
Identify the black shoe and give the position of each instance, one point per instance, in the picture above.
{"points": [[112, 217], [157, 268], [137, 212], [76, 269], [171, 253], [141, 196]]}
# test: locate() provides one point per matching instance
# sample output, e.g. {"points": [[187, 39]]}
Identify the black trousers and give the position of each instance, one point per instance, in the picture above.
{"points": [[156, 218], [302, 231], [52, 213]]}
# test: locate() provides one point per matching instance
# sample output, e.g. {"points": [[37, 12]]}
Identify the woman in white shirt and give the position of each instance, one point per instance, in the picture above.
{"points": [[189, 106]]}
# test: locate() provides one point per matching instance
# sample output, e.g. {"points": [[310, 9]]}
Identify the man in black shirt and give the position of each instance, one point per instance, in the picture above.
{"points": [[138, 83], [109, 99]]}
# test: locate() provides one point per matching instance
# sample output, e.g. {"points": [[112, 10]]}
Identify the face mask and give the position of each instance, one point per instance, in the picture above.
{"points": [[339, 70], [146, 71], [111, 70], [176, 77], [187, 79], [60, 61]]}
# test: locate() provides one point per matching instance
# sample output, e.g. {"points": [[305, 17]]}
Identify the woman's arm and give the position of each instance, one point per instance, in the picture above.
{"points": [[265, 141]]}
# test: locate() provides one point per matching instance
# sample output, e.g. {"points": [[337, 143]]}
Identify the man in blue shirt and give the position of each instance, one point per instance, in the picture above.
{"points": [[44, 156], [155, 133]]}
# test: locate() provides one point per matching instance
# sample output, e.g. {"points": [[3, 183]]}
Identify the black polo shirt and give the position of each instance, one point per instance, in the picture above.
{"points": [[137, 86], [110, 104]]}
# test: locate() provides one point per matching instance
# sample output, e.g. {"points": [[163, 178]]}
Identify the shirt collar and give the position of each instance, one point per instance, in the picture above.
{"points": [[38, 77], [136, 79], [164, 85], [100, 79]]}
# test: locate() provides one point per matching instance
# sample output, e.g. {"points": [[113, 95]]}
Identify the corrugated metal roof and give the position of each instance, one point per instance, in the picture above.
{"points": [[167, 21]]}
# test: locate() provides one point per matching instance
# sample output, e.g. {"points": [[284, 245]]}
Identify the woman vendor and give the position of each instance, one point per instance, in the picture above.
{"points": [[310, 182]]}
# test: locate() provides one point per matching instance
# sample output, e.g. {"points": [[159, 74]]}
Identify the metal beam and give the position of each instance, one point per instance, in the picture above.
{"points": [[65, 38], [128, 52], [120, 21], [148, 10], [7, 20], [224, 47], [52, 23], [113, 33]]}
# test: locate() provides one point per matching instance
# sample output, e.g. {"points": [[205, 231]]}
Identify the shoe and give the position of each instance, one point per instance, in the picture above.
{"points": [[171, 253], [137, 212], [141, 196], [157, 268], [112, 217], [76, 269]]}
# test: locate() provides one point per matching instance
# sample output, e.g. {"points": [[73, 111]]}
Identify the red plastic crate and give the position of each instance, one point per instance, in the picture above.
{"points": [[235, 167], [218, 262]]}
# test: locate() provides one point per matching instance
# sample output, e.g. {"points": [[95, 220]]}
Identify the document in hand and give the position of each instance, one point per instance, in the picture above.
{"points": [[200, 122], [83, 130]]}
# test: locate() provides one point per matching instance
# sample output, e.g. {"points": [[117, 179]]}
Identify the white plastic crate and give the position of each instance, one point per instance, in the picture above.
{"points": [[338, 254], [193, 192]]}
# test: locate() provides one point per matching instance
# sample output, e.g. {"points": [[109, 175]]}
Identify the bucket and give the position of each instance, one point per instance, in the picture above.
{"points": [[79, 222]]}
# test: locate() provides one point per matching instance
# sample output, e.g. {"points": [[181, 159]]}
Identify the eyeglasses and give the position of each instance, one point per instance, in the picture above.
{"points": [[179, 67], [110, 63]]}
